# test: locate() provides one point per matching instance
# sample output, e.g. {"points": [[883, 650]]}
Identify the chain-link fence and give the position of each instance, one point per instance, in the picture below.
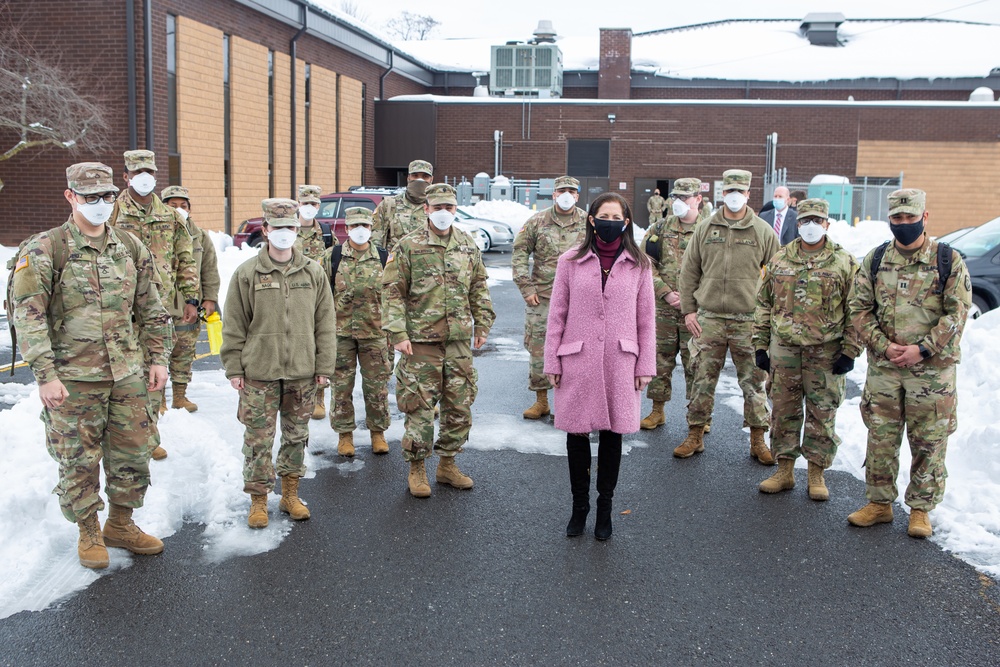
{"points": [[864, 198]]}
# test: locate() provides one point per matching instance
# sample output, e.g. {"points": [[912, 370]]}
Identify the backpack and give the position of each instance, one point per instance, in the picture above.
{"points": [[653, 246], [327, 233], [337, 254], [943, 263], [60, 253]]}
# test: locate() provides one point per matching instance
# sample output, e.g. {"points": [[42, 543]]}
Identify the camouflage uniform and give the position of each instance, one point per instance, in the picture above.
{"points": [[435, 296], [802, 321], [655, 208], [718, 281], [357, 293], [310, 240], [903, 307], [397, 216], [279, 335], [544, 237], [87, 331]]}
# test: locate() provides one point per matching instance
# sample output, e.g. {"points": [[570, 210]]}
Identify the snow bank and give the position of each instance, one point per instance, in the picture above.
{"points": [[510, 212]]}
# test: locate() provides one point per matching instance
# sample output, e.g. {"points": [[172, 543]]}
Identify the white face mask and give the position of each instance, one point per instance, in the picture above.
{"points": [[565, 201], [360, 234], [181, 212], [680, 208], [442, 219], [735, 201], [282, 238], [96, 214], [812, 232], [308, 211], [143, 183]]}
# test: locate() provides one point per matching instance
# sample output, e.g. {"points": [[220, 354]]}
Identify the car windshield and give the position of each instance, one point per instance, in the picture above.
{"points": [[980, 241]]}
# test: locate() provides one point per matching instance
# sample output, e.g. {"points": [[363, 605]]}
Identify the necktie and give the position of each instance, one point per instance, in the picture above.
{"points": [[777, 223]]}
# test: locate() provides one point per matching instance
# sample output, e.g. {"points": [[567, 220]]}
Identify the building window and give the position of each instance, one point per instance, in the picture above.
{"points": [[270, 123], [174, 155], [226, 167], [308, 176], [589, 157]]}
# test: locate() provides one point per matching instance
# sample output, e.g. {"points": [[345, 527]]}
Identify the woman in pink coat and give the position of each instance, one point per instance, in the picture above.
{"points": [[600, 351]]}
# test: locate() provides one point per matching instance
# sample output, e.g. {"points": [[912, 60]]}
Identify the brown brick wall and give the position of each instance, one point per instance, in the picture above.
{"points": [[614, 77]]}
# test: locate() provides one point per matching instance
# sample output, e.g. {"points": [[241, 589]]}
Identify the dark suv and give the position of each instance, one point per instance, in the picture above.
{"points": [[331, 215]]}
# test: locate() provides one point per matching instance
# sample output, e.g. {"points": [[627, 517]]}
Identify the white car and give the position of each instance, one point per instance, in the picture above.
{"points": [[477, 234], [498, 234]]}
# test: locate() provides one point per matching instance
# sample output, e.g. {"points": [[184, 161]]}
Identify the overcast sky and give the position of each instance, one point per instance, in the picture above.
{"points": [[517, 19]]}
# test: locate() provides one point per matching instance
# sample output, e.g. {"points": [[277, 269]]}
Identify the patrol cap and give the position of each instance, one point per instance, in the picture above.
{"points": [[566, 182], [140, 159], [175, 192], [280, 212], [441, 193], [357, 215], [421, 167], [309, 194], [686, 186], [736, 179], [909, 200], [90, 178], [817, 208]]}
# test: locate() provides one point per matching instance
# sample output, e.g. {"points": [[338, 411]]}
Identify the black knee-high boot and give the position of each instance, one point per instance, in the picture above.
{"points": [[578, 453], [609, 461]]}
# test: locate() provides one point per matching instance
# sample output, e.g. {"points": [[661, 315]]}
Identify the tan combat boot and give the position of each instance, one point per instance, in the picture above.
{"points": [[419, 486], [539, 408], [258, 511], [159, 453], [181, 399], [121, 531], [90, 548], [345, 444], [379, 445], [319, 410], [920, 524], [758, 448], [871, 514], [290, 502], [817, 485], [693, 444], [448, 473], [782, 480], [654, 418]]}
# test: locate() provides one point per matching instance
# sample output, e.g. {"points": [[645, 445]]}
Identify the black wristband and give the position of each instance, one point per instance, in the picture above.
{"points": [[192, 302], [924, 352]]}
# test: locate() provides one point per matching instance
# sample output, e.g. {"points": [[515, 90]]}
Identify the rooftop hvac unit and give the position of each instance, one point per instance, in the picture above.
{"points": [[526, 69]]}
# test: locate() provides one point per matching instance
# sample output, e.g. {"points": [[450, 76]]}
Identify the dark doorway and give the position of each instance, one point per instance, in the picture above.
{"points": [[644, 188]]}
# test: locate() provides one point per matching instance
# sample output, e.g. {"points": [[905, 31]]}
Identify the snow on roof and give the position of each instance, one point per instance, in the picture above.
{"points": [[769, 50], [921, 104]]}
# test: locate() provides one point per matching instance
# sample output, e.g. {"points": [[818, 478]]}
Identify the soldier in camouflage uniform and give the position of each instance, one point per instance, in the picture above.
{"points": [[165, 233], [83, 327], [912, 326], [655, 206], [718, 282], [185, 334], [666, 242], [279, 343], [546, 235], [397, 216], [803, 336], [435, 300], [357, 293]]}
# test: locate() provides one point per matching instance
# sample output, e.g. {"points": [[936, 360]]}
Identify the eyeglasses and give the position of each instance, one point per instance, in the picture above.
{"points": [[683, 197], [806, 221], [107, 198]]}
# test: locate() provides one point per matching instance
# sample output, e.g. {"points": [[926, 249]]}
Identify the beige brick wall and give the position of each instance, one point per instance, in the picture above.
{"points": [[300, 119], [323, 129], [959, 178], [282, 126], [248, 131], [200, 120], [351, 148]]}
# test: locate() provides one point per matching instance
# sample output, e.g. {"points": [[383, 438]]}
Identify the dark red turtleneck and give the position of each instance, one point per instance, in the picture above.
{"points": [[607, 253]]}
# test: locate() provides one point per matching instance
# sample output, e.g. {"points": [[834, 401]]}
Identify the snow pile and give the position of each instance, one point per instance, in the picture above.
{"points": [[860, 239], [510, 212]]}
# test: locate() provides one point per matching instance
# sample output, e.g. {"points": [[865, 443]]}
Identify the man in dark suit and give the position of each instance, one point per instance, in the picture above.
{"points": [[781, 216]]}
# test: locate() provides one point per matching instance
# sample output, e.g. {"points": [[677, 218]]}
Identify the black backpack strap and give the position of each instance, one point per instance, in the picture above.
{"points": [[944, 255], [335, 256], [327, 234], [383, 255], [877, 259]]}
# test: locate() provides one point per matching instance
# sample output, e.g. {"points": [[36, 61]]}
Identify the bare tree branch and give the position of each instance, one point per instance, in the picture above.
{"points": [[353, 8], [409, 26]]}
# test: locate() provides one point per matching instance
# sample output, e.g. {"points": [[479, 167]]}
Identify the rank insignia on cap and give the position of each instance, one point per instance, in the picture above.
{"points": [[22, 263]]}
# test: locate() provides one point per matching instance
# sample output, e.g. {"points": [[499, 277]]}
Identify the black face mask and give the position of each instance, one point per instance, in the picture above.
{"points": [[609, 230], [907, 234]]}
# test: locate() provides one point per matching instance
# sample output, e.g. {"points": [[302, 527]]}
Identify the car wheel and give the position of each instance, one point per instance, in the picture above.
{"points": [[489, 243], [979, 306], [256, 241]]}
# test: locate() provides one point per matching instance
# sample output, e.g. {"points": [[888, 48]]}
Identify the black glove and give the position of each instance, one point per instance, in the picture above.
{"points": [[843, 365], [762, 360]]}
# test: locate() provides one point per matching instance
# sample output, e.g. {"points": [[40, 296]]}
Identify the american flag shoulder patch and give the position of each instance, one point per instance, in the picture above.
{"points": [[22, 263]]}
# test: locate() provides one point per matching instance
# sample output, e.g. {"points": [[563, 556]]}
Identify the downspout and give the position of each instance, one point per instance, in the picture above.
{"points": [[147, 28], [381, 79], [133, 130], [293, 51]]}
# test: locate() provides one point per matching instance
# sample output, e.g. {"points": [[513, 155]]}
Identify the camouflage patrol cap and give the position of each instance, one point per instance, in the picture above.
{"points": [[909, 200], [280, 212], [686, 186], [566, 182], [309, 194], [813, 208], [421, 167], [140, 159], [175, 192], [357, 215], [736, 179], [441, 193], [90, 178]]}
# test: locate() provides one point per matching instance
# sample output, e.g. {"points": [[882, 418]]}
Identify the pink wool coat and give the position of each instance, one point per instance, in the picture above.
{"points": [[600, 342]]}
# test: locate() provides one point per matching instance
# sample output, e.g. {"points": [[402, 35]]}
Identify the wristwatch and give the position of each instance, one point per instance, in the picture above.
{"points": [[192, 302], [924, 352]]}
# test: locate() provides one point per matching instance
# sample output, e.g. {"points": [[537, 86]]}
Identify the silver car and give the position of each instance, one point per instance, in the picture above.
{"points": [[499, 235]]}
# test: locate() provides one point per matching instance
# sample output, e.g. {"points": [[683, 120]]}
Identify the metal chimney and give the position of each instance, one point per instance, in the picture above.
{"points": [[545, 33], [820, 28]]}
